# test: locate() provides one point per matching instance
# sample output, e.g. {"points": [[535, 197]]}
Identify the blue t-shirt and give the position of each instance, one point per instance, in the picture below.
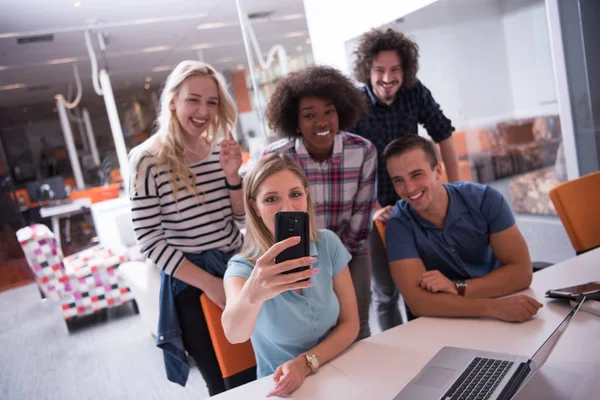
{"points": [[461, 249], [290, 324]]}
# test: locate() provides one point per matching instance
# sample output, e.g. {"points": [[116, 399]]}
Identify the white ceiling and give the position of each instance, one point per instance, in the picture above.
{"points": [[141, 35]]}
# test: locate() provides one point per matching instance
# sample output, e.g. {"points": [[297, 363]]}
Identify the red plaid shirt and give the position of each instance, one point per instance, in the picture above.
{"points": [[343, 188]]}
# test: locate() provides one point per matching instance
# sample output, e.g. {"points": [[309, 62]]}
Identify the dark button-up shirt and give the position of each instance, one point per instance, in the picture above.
{"points": [[413, 105]]}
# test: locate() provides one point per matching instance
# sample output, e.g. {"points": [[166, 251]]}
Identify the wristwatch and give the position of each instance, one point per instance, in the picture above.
{"points": [[313, 362], [461, 287]]}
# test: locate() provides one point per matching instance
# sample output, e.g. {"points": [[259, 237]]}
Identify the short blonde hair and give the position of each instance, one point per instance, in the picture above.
{"points": [[167, 144], [258, 239]]}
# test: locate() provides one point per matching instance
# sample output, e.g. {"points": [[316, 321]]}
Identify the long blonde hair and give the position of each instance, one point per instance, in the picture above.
{"points": [[167, 144], [258, 239]]}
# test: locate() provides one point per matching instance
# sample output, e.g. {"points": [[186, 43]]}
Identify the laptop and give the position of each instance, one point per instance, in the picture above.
{"points": [[457, 373]]}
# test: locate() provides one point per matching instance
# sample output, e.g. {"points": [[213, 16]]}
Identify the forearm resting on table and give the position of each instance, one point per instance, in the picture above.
{"points": [[342, 336], [505, 280], [239, 316], [423, 303]]}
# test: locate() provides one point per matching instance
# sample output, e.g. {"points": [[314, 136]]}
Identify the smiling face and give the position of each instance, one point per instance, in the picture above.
{"points": [[195, 105], [318, 123], [386, 75], [282, 191], [414, 179]]}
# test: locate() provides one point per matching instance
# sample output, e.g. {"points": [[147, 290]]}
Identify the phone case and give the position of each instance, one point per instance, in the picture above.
{"points": [[288, 224]]}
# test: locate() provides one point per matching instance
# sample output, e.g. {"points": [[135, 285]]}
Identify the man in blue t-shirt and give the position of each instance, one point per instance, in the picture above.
{"points": [[453, 249]]}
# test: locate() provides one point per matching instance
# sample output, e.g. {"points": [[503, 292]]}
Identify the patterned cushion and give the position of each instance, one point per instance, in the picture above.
{"points": [[90, 260], [88, 284]]}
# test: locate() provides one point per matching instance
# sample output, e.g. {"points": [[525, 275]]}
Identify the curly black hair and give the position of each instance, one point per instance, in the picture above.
{"points": [[318, 81], [377, 40]]}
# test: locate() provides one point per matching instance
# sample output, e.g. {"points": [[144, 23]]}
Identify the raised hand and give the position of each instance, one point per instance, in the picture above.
{"points": [[230, 158], [267, 281]]}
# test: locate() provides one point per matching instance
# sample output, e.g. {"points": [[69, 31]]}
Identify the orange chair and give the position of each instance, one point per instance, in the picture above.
{"points": [[98, 193], [381, 229], [576, 203], [237, 361], [464, 165]]}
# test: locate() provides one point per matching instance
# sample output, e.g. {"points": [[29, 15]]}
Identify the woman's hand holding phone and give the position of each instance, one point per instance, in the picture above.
{"points": [[268, 280]]}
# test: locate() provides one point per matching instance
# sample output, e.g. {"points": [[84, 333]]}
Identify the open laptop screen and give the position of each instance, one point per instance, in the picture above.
{"points": [[542, 354]]}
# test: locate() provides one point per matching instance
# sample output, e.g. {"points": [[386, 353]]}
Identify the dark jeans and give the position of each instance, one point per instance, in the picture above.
{"points": [[196, 338], [384, 291]]}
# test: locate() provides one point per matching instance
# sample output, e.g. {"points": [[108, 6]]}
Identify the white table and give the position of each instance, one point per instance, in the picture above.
{"points": [[328, 383], [388, 361], [383, 364], [63, 211]]}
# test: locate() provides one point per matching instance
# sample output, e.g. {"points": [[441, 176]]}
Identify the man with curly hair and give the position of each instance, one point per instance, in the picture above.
{"points": [[311, 109], [387, 63]]}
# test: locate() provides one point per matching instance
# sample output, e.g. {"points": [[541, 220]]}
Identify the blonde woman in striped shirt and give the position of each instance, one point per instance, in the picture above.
{"points": [[186, 200]]}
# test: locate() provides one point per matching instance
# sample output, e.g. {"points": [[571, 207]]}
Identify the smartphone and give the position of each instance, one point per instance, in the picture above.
{"points": [[591, 290], [288, 224]]}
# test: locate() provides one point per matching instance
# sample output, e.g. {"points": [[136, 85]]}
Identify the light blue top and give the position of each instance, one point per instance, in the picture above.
{"points": [[290, 324], [461, 249]]}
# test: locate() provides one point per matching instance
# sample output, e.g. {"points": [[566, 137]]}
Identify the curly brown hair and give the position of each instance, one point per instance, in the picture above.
{"points": [[318, 81], [377, 40]]}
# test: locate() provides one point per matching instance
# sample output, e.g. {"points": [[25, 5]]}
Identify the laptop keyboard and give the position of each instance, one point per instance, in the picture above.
{"points": [[479, 380]]}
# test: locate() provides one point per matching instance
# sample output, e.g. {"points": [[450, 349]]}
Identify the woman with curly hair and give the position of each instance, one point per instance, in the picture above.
{"points": [[186, 199], [387, 63], [312, 109]]}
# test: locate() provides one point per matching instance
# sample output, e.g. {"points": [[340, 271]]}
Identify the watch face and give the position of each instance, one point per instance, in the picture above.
{"points": [[313, 362]]}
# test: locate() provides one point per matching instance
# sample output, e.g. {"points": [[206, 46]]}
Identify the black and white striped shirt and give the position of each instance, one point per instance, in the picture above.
{"points": [[165, 230]]}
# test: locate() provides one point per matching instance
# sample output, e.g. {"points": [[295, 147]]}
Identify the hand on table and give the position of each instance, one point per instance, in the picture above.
{"points": [[289, 376], [518, 308]]}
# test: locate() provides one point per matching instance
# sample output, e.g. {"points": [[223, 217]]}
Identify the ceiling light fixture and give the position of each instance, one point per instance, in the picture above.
{"points": [[224, 60], [77, 3], [211, 25], [298, 48], [240, 66], [295, 34], [155, 49], [148, 79], [147, 86], [200, 46], [62, 60], [307, 41], [13, 87], [162, 68], [3, 67], [289, 17]]}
